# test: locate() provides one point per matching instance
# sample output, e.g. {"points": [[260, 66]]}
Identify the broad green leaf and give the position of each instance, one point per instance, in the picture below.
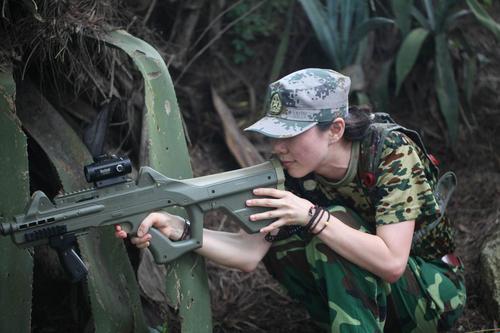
{"points": [[431, 17], [453, 19], [421, 19], [446, 86], [316, 14], [402, 10], [470, 71], [166, 151], [484, 17], [369, 25], [381, 92], [16, 265], [333, 24], [347, 13], [408, 53], [442, 13], [279, 58], [356, 16]]}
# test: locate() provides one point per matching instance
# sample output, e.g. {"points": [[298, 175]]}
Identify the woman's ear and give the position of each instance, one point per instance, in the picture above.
{"points": [[337, 129]]}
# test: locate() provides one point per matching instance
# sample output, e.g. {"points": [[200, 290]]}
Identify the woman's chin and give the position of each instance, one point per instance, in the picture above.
{"points": [[296, 172]]}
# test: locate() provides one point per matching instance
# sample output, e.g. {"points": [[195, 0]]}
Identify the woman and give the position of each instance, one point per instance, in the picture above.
{"points": [[340, 244]]}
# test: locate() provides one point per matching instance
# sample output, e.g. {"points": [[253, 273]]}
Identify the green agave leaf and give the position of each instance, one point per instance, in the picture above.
{"points": [[421, 19], [381, 91], [470, 71], [446, 86], [483, 17], [186, 282], [453, 19], [402, 11], [371, 24], [347, 17], [316, 14], [279, 58], [442, 14], [16, 265], [408, 53], [431, 17], [332, 18], [352, 14]]}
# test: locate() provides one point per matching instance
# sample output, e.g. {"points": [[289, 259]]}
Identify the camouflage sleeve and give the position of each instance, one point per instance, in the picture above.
{"points": [[403, 192]]}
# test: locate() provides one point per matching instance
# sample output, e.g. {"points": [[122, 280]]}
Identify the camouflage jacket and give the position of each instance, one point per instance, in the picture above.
{"points": [[403, 191]]}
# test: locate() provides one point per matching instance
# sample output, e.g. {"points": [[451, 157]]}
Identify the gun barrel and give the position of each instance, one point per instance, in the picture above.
{"points": [[6, 228]]}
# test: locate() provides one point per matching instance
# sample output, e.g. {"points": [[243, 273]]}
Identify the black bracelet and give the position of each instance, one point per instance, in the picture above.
{"points": [[186, 231], [318, 219], [324, 226], [313, 216]]}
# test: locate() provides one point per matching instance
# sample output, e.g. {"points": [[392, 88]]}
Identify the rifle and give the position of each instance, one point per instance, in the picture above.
{"points": [[117, 199]]}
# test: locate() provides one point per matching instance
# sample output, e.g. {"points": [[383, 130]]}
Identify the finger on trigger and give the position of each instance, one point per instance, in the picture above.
{"points": [[145, 225]]}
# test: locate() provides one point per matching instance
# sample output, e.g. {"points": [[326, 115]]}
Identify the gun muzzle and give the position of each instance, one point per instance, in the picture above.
{"points": [[6, 229]]}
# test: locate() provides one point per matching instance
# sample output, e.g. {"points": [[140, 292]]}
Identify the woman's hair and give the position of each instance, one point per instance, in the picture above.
{"points": [[357, 121]]}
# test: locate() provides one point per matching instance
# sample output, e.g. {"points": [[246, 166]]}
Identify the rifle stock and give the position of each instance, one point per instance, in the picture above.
{"points": [[130, 202]]}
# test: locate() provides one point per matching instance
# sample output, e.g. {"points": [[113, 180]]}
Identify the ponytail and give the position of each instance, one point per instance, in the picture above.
{"points": [[357, 121]]}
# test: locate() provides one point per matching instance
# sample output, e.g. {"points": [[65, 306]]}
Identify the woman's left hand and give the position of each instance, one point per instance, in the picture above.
{"points": [[289, 209]]}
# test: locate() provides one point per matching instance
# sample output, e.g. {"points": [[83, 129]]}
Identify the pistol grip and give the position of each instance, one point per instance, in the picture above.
{"points": [[164, 250]]}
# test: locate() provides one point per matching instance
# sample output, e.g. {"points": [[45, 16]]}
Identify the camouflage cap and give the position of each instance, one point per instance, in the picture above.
{"points": [[301, 100]]}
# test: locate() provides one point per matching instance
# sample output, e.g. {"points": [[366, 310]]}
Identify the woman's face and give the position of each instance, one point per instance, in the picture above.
{"points": [[303, 153]]}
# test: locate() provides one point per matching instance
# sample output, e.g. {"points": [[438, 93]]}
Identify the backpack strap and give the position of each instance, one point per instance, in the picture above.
{"points": [[371, 153], [373, 144]]}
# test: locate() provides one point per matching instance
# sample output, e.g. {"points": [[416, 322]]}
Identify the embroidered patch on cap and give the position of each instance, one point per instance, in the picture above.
{"points": [[275, 107]]}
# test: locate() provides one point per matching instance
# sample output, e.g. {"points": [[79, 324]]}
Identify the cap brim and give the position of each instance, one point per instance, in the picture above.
{"points": [[275, 127]]}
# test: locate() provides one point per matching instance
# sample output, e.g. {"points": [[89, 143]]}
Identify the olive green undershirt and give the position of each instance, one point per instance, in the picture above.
{"points": [[352, 169]]}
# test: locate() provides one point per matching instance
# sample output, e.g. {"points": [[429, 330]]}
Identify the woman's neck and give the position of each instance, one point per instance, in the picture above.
{"points": [[336, 163]]}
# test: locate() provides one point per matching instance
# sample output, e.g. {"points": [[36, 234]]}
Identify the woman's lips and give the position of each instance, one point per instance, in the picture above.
{"points": [[286, 163]]}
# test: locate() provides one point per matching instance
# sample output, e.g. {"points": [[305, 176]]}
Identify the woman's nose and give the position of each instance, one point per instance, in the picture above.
{"points": [[279, 146]]}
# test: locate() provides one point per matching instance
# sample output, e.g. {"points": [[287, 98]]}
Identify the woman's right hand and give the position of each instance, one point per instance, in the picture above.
{"points": [[170, 225]]}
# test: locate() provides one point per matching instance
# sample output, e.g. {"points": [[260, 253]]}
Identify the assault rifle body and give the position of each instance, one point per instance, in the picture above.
{"points": [[128, 202]]}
